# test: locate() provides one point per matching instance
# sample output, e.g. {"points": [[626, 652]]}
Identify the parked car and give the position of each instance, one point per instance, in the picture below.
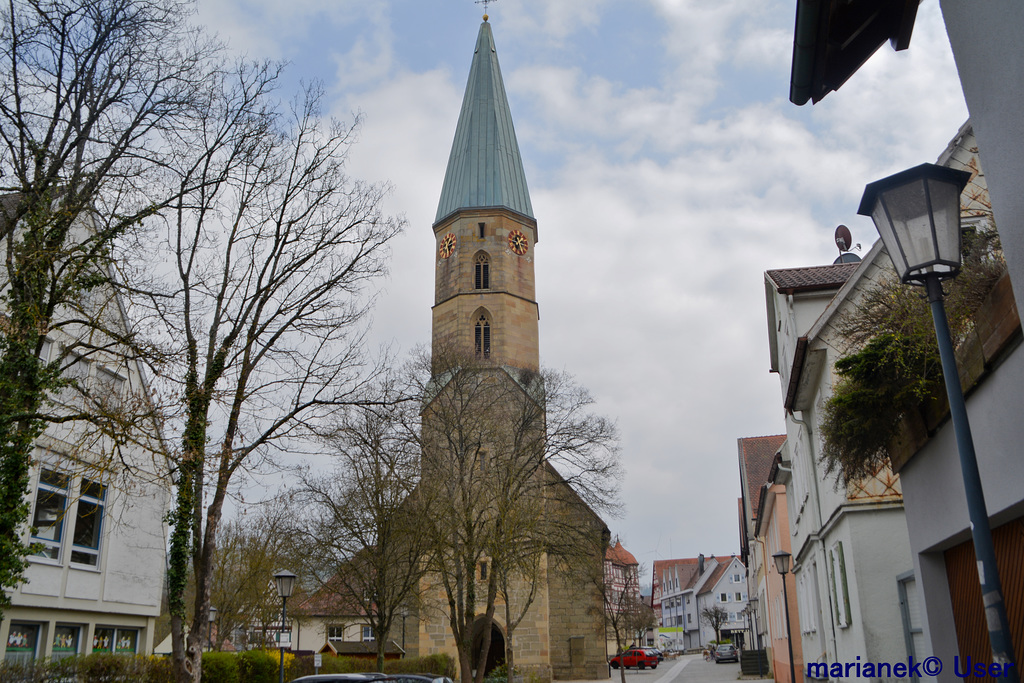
{"points": [[414, 678], [656, 652], [726, 653], [635, 657], [340, 678]]}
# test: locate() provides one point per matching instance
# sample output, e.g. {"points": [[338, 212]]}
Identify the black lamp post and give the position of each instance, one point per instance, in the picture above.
{"points": [[211, 617], [782, 565], [284, 580], [917, 213], [404, 613]]}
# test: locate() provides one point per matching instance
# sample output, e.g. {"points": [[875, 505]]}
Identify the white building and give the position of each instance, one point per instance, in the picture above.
{"points": [[95, 585], [724, 587], [850, 545]]}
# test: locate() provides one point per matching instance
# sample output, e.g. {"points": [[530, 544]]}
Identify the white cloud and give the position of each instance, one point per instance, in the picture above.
{"points": [[660, 201]]}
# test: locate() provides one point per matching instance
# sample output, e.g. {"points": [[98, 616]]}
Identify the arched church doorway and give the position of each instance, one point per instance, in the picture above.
{"points": [[496, 650]]}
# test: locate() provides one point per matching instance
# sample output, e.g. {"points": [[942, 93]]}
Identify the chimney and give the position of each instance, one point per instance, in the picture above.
{"points": [[700, 564]]}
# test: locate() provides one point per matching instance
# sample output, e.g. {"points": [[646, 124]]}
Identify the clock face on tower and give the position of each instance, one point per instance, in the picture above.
{"points": [[447, 245], [517, 242]]}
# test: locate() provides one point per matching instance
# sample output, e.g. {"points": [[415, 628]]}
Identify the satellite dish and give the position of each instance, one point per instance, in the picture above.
{"points": [[843, 238], [846, 257]]}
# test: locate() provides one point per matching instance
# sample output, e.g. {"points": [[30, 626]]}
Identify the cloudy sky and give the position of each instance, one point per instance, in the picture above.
{"points": [[668, 171]]}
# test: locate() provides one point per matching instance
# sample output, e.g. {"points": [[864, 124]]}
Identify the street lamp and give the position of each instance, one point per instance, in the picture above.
{"points": [[284, 580], [404, 613], [211, 617], [917, 213], [782, 565]]}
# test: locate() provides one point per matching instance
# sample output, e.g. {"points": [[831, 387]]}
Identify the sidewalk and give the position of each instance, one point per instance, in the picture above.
{"points": [[682, 669]]}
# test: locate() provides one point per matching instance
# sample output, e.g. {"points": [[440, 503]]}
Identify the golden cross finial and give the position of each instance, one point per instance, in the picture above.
{"points": [[485, 3]]}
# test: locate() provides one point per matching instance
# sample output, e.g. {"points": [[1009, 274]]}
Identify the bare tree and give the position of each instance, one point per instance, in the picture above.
{"points": [[363, 546], [619, 586], [714, 616], [249, 551], [499, 446], [91, 92], [262, 317]]}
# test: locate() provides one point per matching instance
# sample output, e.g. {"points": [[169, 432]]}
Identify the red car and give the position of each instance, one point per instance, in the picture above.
{"points": [[635, 657]]}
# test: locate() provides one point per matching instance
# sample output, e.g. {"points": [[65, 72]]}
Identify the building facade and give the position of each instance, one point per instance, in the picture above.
{"points": [[97, 509]]}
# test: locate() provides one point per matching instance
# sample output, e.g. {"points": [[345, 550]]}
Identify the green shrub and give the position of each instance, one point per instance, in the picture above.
{"points": [[439, 665], [259, 666], [221, 667], [95, 668]]}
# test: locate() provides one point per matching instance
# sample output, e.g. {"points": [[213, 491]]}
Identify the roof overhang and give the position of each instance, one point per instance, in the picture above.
{"points": [[833, 38]]}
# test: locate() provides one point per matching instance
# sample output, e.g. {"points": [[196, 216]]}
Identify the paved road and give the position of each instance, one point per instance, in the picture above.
{"points": [[685, 669]]}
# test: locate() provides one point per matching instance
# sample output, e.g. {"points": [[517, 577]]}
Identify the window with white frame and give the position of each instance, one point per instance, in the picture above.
{"points": [[60, 497], [110, 387], [739, 597], [76, 371], [48, 518], [735, 578], [723, 597], [840, 589], [367, 634], [85, 541], [336, 633]]}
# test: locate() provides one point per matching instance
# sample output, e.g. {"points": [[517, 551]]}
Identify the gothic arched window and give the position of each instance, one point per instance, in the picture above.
{"points": [[482, 337], [482, 272]]}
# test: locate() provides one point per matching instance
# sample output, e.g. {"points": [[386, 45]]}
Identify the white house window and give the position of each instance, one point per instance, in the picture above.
{"points": [[61, 498], [65, 641], [76, 369], [119, 641], [723, 597], [739, 597], [367, 634], [22, 642], [840, 589], [336, 633], [110, 386], [85, 548], [48, 519]]}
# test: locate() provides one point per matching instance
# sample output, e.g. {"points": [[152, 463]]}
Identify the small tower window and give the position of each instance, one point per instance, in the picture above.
{"points": [[482, 337], [480, 230], [482, 272]]}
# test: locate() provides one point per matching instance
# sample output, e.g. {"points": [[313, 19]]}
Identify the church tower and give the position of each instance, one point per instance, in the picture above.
{"points": [[485, 232], [487, 484]]}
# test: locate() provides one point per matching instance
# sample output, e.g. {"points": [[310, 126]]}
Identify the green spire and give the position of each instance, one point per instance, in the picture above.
{"points": [[484, 168]]}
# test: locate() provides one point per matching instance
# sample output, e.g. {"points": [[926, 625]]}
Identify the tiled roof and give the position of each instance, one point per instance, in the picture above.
{"points": [[685, 569], [758, 454], [716, 574], [330, 600], [812, 278], [618, 555]]}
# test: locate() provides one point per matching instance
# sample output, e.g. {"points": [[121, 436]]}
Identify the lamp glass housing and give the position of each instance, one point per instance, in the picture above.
{"points": [[782, 562], [284, 580], [917, 214], [213, 614]]}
